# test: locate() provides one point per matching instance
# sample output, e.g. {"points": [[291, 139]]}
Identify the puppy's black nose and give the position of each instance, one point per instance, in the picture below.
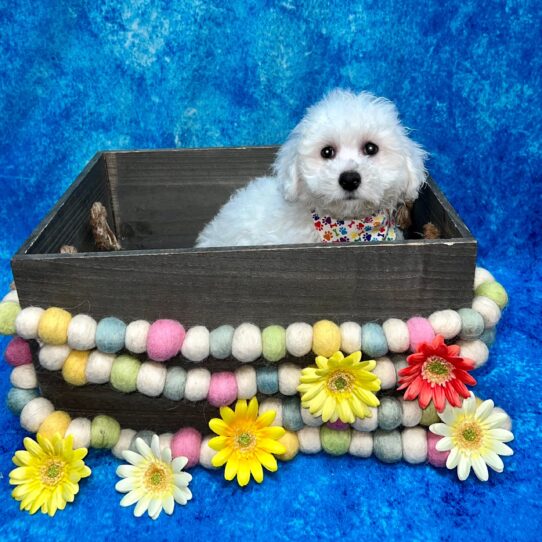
{"points": [[350, 180]]}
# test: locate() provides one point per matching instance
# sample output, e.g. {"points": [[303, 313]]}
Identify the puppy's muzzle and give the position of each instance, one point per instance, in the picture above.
{"points": [[350, 180]]}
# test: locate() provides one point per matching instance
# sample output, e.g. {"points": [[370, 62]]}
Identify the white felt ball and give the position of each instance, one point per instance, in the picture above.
{"points": [[397, 335], [151, 378], [197, 384], [206, 454], [79, 428], [367, 424], [309, 419], [299, 339], [135, 338], [490, 311], [196, 344], [289, 374], [35, 412], [412, 413], [24, 377], [400, 362], [385, 370], [27, 321], [414, 441], [350, 337], [309, 440], [508, 424], [271, 403], [98, 367], [12, 295], [124, 442], [361, 444], [482, 275], [476, 350], [246, 343], [82, 332], [164, 440], [246, 382], [53, 357], [446, 323]]}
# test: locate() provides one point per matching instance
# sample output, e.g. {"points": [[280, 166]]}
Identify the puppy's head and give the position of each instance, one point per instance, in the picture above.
{"points": [[351, 155]]}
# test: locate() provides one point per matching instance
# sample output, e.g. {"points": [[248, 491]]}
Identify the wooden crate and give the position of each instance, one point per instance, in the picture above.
{"points": [[158, 201]]}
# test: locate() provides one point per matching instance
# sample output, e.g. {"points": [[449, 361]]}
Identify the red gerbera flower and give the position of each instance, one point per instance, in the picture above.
{"points": [[437, 372]]}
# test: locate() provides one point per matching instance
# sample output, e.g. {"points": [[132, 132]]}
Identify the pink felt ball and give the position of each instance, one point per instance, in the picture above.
{"points": [[338, 425], [222, 389], [187, 443], [435, 458], [18, 352], [165, 339], [420, 331]]}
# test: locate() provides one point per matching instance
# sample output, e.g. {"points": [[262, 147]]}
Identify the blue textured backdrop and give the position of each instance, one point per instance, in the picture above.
{"points": [[80, 76]]}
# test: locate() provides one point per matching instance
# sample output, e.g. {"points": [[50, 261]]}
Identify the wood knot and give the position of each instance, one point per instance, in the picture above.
{"points": [[104, 237]]}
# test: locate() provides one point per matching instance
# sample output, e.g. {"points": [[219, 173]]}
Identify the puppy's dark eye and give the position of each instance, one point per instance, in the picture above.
{"points": [[370, 148], [327, 153]]}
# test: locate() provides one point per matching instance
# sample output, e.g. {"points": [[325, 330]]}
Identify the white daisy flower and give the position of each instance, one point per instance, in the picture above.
{"points": [[153, 480], [475, 437]]}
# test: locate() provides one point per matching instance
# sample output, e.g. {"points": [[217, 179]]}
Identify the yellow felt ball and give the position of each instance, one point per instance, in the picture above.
{"points": [[326, 338], [57, 422], [290, 441], [74, 368], [53, 326]]}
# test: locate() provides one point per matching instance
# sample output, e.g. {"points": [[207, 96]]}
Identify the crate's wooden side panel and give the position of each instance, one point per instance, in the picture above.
{"points": [[262, 285], [68, 222], [164, 198]]}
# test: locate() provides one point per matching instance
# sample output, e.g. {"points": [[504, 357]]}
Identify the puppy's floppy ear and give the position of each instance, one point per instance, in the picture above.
{"points": [[415, 157], [286, 167]]}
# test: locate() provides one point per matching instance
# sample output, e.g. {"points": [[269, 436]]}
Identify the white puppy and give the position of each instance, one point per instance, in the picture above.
{"points": [[340, 176]]}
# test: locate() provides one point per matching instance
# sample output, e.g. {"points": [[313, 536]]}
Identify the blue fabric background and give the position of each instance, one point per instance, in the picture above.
{"points": [[80, 76]]}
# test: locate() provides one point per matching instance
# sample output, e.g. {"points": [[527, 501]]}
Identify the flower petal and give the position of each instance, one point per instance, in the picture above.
{"points": [[479, 467], [444, 444], [500, 434], [463, 467], [493, 460], [441, 429]]}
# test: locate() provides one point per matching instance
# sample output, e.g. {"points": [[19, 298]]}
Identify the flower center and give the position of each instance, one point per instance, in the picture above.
{"points": [[437, 370], [245, 440], [156, 477], [52, 472], [469, 435], [340, 382]]}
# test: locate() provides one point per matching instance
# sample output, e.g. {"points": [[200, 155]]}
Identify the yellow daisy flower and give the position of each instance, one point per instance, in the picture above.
{"points": [[475, 437], [47, 474], [340, 388], [245, 442]]}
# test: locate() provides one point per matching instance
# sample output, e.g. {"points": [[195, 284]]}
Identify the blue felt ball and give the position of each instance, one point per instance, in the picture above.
{"points": [[373, 340], [110, 335], [267, 380], [291, 414], [18, 398]]}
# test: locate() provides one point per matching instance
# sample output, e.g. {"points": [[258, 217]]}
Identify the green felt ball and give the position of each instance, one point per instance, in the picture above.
{"points": [[124, 373], [104, 432], [388, 446], [335, 442], [390, 413], [429, 415], [175, 383], [274, 343], [9, 310], [495, 291]]}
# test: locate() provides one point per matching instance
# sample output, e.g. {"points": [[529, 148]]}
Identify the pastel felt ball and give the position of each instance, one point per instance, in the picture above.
{"points": [[53, 326], [397, 335], [74, 368], [246, 382], [389, 413], [385, 371], [274, 343], [175, 383], [53, 357], [274, 404], [206, 454], [57, 422], [12, 295], [488, 309], [472, 324], [299, 339], [309, 440], [197, 384], [110, 335], [420, 331], [494, 291], [187, 443], [369, 423], [373, 340], [9, 310], [165, 339], [482, 275], [196, 344], [291, 414], [429, 415], [98, 367], [135, 338], [80, 428], [82, 332], [326, 339], [267, 380], [475, 350], [34, 413], [104, 432], [434, 456], [247, 343], [222, 389], [145, 435], [18, 352], [151, 378], [289, 375], [124, 442], [350, 337], [18, 398], [220, 342], [387, 446], [335, 442], [414, 445], [24, 376], [489, 336], [124, 373], [446, 323], [290, 441], [27, 322], [361, 444]]}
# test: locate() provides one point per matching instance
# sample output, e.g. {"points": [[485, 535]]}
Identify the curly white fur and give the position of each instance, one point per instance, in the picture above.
{"points": [[277, 210]]}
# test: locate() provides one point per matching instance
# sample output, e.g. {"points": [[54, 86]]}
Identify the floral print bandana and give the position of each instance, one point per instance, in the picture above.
{"points": [[379, 226]]}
